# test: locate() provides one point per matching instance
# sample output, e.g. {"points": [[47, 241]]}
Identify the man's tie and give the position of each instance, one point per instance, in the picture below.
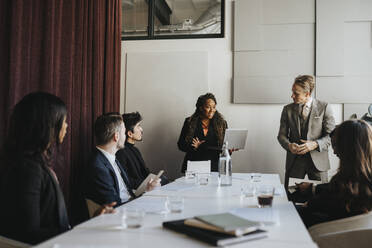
{"points": [[305, 112]]}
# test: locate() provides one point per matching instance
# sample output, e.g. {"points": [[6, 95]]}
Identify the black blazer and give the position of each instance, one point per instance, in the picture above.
{"points": [[102, 185], [32, 208], [130, 158], [209, 150], [325, 205]]}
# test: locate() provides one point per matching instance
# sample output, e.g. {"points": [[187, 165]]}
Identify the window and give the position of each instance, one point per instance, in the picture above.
{"points": [[172, 19]]}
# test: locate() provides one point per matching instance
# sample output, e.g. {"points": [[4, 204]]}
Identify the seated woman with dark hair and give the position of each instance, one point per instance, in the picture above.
{"points": [[349, 192], [32, 205], [203, 133]]}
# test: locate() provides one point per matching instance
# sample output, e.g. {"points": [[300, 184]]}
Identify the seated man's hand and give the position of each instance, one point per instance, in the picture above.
{"points": [[105, 209], [152, 184], [303, 187], [307, 146], [293, 147]]}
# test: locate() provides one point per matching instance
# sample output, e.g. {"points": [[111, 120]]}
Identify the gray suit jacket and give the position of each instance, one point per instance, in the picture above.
{"points": [[321, 124]]}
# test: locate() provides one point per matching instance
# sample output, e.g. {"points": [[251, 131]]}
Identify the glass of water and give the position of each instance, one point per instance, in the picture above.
{"points": [[175, 204], [248, 190], [203, 178], [132, 218], [189, 176]]}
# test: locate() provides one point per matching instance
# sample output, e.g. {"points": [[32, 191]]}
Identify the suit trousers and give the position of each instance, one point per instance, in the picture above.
{"points": [[303, 165]]}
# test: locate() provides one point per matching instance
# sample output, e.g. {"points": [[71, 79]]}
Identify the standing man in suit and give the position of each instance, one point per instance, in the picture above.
{"points": [[107, 181], [304, 131]]}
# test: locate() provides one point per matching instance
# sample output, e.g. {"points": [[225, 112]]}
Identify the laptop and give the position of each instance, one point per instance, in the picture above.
{"points": [[236, 138]]}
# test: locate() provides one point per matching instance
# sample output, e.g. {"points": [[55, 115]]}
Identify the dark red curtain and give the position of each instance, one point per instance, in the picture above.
{"points": [[70, 48]]}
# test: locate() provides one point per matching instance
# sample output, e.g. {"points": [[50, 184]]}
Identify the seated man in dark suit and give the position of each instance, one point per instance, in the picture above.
{"points": [[130, 156], [107, 181]]}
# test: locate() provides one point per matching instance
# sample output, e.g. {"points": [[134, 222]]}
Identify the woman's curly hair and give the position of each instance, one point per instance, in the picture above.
{"points": [[218, 122]]}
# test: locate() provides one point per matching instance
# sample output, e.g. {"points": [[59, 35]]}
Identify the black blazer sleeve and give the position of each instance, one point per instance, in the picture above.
{"points": [[182, 144], [129, 165], [29, 212]]}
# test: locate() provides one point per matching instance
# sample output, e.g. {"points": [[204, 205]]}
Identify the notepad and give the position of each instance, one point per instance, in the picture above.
{"points": [[227, 221], [237, 232], [212, 237], [142, 188]]}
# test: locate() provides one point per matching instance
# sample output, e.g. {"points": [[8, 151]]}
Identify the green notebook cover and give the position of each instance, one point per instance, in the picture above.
{"points": [[228, 222]]}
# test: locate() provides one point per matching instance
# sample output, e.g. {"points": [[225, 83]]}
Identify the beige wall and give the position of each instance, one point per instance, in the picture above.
{"points": [[262, 153]]}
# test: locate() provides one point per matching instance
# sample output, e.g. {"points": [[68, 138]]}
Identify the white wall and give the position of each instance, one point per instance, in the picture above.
{"points": [[263, 153]]}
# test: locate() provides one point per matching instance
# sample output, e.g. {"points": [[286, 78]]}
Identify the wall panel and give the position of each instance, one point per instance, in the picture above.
{"points": [[164, 87], [279, 47]]}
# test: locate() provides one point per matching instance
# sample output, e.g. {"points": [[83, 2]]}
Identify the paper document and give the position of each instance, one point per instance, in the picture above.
{"points": [[199, 166], [142, 188], [152, 205], [85, 246], [292, 183], [178, 186]]}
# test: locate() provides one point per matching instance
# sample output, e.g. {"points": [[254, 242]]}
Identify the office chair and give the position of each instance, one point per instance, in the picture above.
{"points": [[10, 243], [353, 231]]}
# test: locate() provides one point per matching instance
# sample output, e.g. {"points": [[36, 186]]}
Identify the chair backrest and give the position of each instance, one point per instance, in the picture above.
{"points": [[92, 207], [344, 232], [362, 221], [357, 238], [10, 243]]}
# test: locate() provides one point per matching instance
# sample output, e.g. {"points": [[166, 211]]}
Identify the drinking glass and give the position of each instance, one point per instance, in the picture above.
{"points": [[175, 204], [202, 178], [248, 190], [189, 176], [132, 218], [265, 195]]}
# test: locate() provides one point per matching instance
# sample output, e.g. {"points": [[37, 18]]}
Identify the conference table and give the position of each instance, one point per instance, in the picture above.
{"points": [[282, 223]]}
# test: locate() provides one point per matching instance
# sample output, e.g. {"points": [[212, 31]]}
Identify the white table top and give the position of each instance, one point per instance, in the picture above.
{"points": [[105, 231]]}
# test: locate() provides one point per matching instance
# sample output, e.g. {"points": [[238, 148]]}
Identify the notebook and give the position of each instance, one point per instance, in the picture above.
{"points": [[227, 221], [211, 237], [200, 224], [142, 188]]}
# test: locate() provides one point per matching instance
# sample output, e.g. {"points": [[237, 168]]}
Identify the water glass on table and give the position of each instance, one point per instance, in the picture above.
{"points": [[175, 204], [190, 176], [248, 190], [203, 178], [265, 196], [132, 218]]}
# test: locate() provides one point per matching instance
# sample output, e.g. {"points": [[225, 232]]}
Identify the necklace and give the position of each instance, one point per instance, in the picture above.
{"points": [[205, 124]]}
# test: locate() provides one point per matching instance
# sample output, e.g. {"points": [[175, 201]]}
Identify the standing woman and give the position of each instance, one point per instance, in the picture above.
{"points": [[32, 206], [203, 133]]}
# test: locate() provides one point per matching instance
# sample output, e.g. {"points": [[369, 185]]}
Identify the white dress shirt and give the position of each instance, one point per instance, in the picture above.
{"points": [[123, 191]]}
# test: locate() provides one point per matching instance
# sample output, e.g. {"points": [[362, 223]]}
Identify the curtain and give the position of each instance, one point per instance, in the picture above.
{"points": [[70, 48]]}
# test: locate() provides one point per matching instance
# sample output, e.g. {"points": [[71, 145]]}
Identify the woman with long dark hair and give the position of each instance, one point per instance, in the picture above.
{"points": [[32, 206], [203, 133], [349, 192]]}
